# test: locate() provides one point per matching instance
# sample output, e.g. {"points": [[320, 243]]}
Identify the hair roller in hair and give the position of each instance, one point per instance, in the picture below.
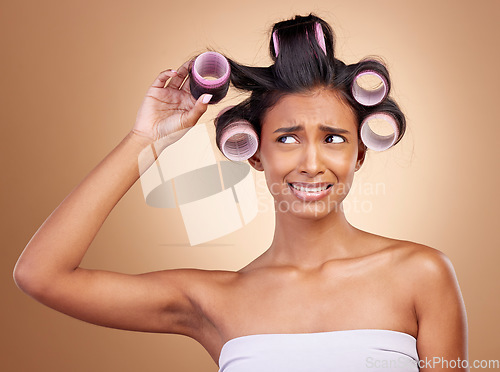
{"points": [[239, 141], [369, 88], [320, 38], [384, 123], [275, 43], [210, 74]]}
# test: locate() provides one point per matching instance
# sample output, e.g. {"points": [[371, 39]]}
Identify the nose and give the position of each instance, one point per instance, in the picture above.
{"points": [[312, 161]]}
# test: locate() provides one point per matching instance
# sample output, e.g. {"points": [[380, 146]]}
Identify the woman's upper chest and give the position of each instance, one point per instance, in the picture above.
{"points": [[339, 295]]}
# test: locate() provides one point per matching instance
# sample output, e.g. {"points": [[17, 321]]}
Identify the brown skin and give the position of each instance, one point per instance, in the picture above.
{"points": [[319, 274]]}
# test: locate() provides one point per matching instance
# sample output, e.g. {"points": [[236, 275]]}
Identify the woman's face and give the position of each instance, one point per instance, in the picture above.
{"points": [[309, 152]]}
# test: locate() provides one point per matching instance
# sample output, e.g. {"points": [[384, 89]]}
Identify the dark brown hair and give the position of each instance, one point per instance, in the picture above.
{"points": [[300, 66]]}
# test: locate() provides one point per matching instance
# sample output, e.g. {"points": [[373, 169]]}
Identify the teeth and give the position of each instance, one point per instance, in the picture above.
{"points": [[309, 189]]}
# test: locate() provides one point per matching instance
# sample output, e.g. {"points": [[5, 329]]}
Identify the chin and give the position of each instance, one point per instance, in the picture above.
{"points": [[308, 210]]}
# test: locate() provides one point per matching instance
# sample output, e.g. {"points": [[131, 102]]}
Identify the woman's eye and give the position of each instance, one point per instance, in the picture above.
{"points": [[287, 139], [332, 138]]}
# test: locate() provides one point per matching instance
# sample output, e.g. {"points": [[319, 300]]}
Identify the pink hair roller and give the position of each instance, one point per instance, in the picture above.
{"points": [[275, 43], [239, 141], [210, 74], [320, 37], [378, 142], [369, 97]]}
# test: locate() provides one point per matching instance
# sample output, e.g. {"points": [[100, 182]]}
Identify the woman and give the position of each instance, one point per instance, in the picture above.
{"points": [[325, 295]]}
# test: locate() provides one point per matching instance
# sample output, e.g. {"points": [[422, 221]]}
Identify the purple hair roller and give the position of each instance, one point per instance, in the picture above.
{"points": [[239, 141], [376, 141], [320, 38], [210, 74], [369, 96]]}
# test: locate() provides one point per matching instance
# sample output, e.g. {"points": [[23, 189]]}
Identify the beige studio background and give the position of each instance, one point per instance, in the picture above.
{"points": [[73, 74]]}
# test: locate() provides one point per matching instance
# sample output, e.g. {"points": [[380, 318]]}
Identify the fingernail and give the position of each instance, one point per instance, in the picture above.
{"points": [[206, 98]]}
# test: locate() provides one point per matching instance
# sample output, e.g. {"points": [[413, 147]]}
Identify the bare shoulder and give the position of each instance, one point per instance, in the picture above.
{"points": [[421, 262], [429, 274], [412, 258], [431, 282]]}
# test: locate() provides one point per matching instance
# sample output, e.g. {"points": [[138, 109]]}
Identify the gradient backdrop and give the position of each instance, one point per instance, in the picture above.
{"points": [[73, 74]]}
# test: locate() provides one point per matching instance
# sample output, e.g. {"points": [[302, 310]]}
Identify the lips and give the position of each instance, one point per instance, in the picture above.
{"points": [[310, 187], [310, 191]]}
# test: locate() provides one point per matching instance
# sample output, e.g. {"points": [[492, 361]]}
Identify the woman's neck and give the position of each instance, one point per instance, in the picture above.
{"points": [[308, 243]]}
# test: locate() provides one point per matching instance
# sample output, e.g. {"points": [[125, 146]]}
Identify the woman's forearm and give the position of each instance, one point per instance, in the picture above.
{"points": [[61, 242]]}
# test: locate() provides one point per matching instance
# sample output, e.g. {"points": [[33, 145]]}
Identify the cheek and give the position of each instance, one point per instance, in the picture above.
{"points": [[343, 162], [277, 163], [275, 181]]}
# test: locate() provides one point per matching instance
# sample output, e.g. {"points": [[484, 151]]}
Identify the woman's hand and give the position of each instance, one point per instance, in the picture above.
{"points": [[171, 108]]}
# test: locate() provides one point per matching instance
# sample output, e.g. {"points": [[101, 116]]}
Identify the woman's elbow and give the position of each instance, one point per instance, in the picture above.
{"points": [[27, 280]]}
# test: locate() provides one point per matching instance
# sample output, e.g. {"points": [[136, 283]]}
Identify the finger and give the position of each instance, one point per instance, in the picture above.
{"points": [[178, 79], [198, 109], [163, 78]]}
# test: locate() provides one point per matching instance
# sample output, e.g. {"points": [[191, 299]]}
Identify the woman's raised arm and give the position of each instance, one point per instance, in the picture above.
{"points": [[49, 268]]}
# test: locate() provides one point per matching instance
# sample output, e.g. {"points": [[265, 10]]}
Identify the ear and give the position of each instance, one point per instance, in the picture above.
{"points": [[361, 155], [255, 161]]}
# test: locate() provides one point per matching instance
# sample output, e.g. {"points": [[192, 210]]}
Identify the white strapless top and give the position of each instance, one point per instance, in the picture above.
{"points": [[354, 350]]}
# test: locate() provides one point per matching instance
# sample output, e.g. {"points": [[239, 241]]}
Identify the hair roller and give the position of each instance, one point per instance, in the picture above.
{"points": [[318, 31], [371, 93], [210, 74], [238, 140], [375, 141], [320, 36], [275, 43]]}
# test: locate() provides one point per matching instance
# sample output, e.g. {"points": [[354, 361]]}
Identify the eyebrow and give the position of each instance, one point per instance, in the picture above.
{"points": [[324, 128]]}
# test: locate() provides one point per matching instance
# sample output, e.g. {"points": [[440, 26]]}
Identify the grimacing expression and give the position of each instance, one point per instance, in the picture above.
{"points": [[309, 150]]}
